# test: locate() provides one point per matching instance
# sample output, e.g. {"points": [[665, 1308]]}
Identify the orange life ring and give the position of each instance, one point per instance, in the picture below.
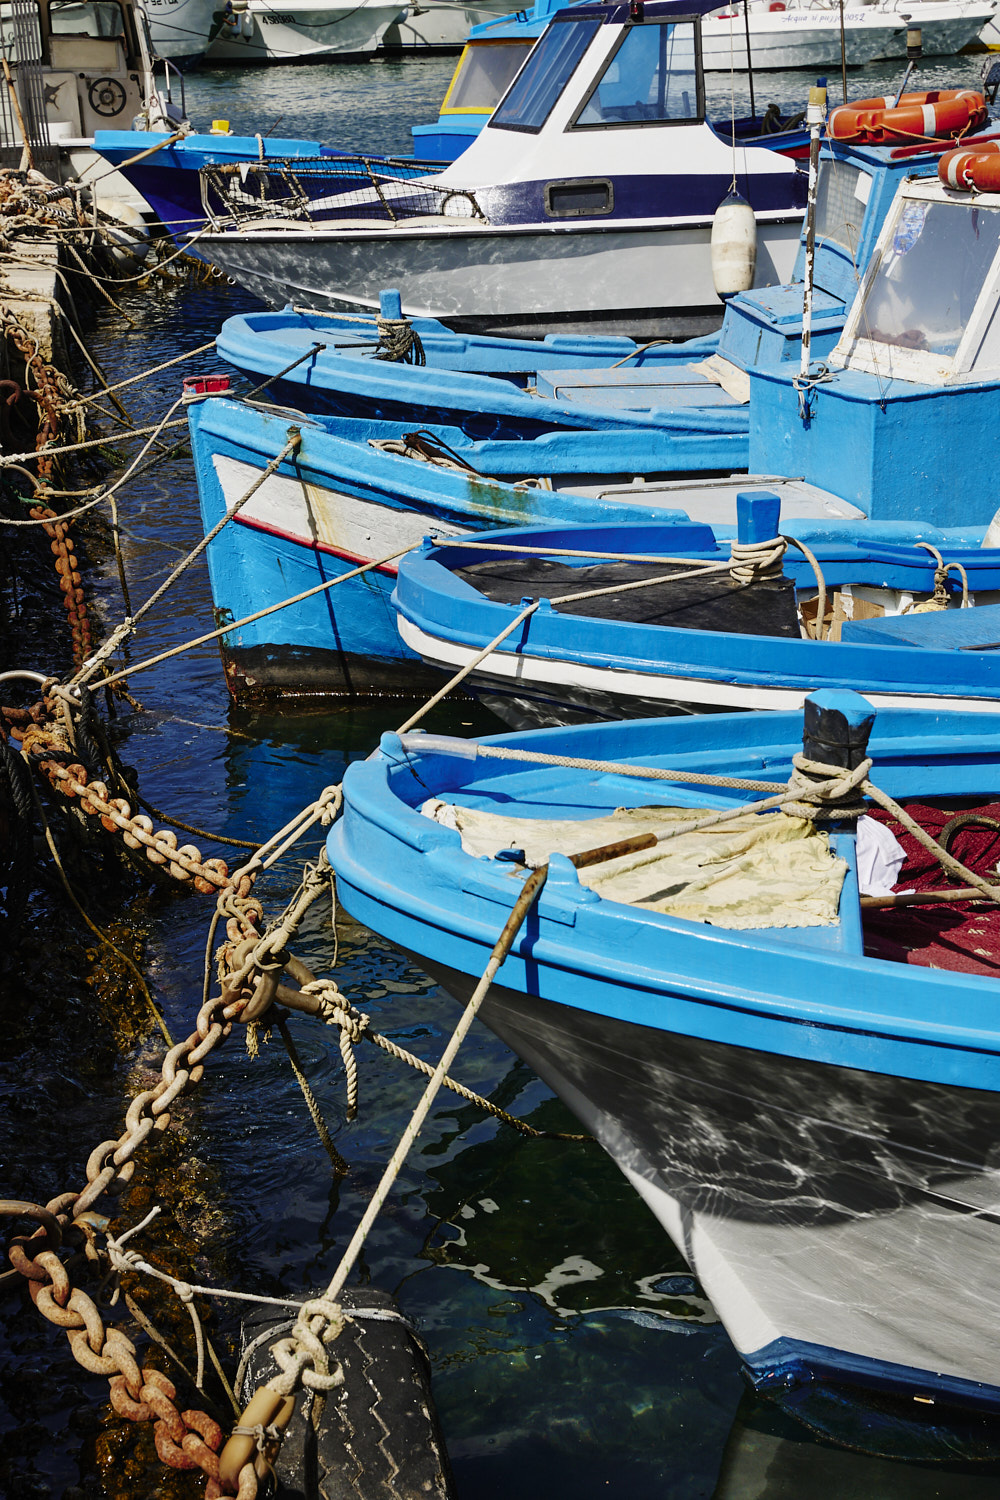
{"points": [[975, 168], [940, 112]]}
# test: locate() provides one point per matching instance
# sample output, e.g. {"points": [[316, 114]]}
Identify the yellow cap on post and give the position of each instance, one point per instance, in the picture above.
{"points": [[219, 127]]}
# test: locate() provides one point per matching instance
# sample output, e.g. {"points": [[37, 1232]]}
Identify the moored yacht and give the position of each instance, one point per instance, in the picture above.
{"points": [[586, 202]]}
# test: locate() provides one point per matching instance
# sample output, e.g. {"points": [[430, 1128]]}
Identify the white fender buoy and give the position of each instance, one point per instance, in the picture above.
{"points": [[734, 246], [991, 537]]}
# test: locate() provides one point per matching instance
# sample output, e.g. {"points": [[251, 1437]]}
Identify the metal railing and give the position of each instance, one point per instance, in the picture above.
{"points": [[324, 191]]}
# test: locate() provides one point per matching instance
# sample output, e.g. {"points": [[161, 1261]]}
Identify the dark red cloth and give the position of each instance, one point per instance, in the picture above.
{"points": [[953, 935]]}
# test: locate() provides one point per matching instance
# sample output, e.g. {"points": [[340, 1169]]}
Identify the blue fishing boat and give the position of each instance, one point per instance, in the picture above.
{"points": [[337, 505], [345, 365], [650, 619], [587, 201], [799, 1079]]}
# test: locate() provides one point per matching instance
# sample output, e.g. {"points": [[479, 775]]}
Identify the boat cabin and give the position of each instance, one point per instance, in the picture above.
{"points": [[904, 418], [856, 188], [606, 119], [78, 66], [927, 312]]}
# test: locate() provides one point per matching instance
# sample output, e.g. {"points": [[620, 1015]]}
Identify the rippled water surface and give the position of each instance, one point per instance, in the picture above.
{"points": [[572, 1354]]}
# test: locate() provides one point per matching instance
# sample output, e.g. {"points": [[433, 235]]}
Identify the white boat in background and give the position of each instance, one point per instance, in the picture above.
{"points": [[181, 30], [256, 31], [806, 33], [76, 68], [439, 25], [796, 34], [946, 26]]}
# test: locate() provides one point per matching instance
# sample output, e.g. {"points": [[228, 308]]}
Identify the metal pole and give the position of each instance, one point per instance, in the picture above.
{"points": [[914, 47], [843, 52], [815, 115], [746, 28]]}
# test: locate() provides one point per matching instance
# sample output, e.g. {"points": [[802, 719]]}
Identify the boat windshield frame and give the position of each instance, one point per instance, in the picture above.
{"points": [[698, 118], [542, 93], [476, 48], [856, 350]]}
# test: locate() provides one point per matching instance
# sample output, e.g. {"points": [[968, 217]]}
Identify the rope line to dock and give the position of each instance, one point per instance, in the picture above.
{"points": [[213, 635]]}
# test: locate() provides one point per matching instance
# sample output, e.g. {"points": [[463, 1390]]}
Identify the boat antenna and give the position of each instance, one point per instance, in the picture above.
{"points": [[746, 28], [843, 52], [815, 117], [914, 47]]}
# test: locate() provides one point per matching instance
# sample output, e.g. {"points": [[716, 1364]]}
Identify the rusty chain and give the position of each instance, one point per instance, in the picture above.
{"points": [[43, 741], [69, 578], [52, 392], [187, 1439]]}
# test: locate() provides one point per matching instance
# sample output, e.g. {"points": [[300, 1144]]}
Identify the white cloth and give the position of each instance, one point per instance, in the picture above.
{"points": [[880, 858]]}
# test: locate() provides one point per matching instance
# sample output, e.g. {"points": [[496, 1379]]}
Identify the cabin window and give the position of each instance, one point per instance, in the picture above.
{"points": [[652, 78], [930, 276], [483, 76], [841, 195], [72, 18], [533, 94], [579, 198]]}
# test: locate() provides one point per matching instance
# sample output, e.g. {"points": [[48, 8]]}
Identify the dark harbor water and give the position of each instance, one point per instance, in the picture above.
{"points": [[572, 1354]]}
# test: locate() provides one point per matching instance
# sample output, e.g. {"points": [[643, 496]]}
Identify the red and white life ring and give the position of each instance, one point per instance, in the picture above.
{"points": [[940, 112], [978, 167]]}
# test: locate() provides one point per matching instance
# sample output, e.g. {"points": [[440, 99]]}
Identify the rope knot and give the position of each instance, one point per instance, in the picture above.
{"points": [[756, 562], [824, 791], [302, 1358], [399, 341]]}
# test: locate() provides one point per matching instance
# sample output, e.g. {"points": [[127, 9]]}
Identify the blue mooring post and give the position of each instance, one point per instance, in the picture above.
{"points": [[836, 727], [390, 305], [757, 513]]}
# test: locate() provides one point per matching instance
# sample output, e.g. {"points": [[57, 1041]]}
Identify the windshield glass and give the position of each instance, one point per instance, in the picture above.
{"points": [[930, 276], [103, 18], [544, 76], [652, 77], [483, 75], [841, 196]]}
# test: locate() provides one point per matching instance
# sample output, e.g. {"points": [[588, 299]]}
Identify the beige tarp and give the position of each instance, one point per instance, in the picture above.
{"points": [[757, 870], [720, 371]]}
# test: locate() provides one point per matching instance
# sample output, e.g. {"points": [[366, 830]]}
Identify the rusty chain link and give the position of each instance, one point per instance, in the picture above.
{"points": [[188, 1439], [184, 1439], [43, 741], [52, 394]]}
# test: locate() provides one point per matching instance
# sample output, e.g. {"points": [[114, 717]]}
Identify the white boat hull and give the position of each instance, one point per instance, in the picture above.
{"points": [[809, 36], [636, 275], [439, 25], [805, 38], [944, 28], [181, 29], [288, 33]]}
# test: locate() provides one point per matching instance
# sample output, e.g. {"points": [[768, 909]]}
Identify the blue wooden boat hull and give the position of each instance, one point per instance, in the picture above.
{"points": [[815, 1128], [342, 505], [459, 385], [564, 667]]}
